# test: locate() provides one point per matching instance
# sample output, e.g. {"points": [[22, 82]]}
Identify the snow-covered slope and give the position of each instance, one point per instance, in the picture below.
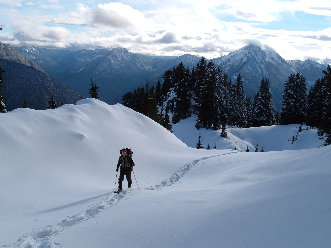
{"points": [[52, 157], [277, 199], [58, 174], [270, 138]]}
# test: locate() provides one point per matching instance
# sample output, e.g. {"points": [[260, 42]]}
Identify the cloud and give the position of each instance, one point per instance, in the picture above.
{"points": [[110, 18], [56, 33], [245, 15], [113, 15], [12, 3], [167, 38], [255, 43], [116, 15], [209, 28], [316, 37]]}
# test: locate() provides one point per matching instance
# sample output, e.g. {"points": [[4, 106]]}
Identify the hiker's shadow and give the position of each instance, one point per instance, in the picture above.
{"points": [[72, 204]]}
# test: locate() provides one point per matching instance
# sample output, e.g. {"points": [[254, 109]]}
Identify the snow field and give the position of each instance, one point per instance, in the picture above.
{"points": [[58, 175], [61, 157], [271, 138], [222, 202]]}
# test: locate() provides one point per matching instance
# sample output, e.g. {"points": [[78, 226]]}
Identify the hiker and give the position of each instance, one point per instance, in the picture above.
{"points": [[125, 163]]}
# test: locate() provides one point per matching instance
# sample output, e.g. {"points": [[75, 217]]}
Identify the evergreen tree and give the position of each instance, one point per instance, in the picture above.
{"points": [[209, 101], [326, 117], [94, 90], [294, 109], [263, 109], [249, 112], [165, 119], [150, 104], [168, 83], [319, 104], [25, 104], [224, 133], [247, 149], [199, 144], [128, 100], [316, 104], [143, 100], [225, 97], [2, 105], [239, 106], [2, 84], [52, 103], [182, 90], [158, 94], [199, 76], [277, 118], [208, 147]]}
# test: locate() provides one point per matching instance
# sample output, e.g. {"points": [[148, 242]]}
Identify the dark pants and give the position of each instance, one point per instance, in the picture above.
{"points": [[125, 172]]}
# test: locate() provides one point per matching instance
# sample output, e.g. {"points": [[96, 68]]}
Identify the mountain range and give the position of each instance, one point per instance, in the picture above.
{"points": [[26, 81], [117, 71], [34, 73]]}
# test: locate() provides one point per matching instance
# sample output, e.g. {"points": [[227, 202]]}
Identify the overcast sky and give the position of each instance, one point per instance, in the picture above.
{"points": [[296, 29]]}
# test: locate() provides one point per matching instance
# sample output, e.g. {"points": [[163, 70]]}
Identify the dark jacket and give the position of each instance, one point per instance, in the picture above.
{"points": [[125, 162]]}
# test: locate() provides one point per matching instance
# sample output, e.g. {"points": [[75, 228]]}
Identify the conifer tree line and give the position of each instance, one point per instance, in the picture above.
{"points": [[218, 102], [2, 84], [319, 105], [206, 92], [313, 108]]}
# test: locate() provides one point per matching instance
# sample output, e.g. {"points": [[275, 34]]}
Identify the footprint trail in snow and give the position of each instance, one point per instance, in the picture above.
{"points": [[42, 238]]}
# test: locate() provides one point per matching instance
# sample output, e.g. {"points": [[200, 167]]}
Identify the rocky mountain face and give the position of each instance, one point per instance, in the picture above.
{"points": [[118, 71], [27, 81], [254, 62], [310, 69]]}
